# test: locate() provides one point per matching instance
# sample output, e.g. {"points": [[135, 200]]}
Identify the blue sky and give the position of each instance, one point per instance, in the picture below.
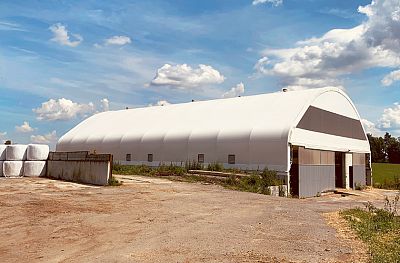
{"points": [[61, 61]]}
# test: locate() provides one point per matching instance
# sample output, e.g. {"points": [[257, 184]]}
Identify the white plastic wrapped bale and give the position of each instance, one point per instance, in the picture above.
{"points": [[3, 152], [34, 168], [13, 168], [1, 168], [16, 152], [37, 152]]}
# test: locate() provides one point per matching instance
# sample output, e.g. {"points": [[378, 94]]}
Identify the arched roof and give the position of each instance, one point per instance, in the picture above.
{"points": [[271, 118]]}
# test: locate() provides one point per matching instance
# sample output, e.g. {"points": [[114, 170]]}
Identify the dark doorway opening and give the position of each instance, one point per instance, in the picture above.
{"points": [[294, 172], [339, 169], [351, 177]]}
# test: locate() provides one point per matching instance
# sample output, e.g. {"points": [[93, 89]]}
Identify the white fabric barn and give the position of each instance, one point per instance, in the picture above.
{"points": [[313, 129]]}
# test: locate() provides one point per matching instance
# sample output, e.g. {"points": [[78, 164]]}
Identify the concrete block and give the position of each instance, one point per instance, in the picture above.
{"points": [[88, 172]]}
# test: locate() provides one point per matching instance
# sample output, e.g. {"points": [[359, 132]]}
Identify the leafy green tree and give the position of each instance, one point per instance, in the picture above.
{"points": [[377, 145], [384, 149]]}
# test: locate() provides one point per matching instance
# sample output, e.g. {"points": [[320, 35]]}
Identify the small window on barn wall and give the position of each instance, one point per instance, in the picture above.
{"points": [[150, 157], [200, 158], [128, 157], [231, 159]]}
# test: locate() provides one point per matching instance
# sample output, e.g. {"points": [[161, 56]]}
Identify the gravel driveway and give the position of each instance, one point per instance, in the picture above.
{"points": [[156, 220]]}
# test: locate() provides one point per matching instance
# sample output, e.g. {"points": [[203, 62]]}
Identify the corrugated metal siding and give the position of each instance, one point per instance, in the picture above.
{"points": [[359, 175], [315, 178]]}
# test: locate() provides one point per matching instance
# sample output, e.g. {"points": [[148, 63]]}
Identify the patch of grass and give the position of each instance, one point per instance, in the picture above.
{"points": [[162, 170], [386, 175], [217, 167], [379, 228], [114, 182], [257, 182], [131, 169], [170, 170], [359, 186], [193, 165]]}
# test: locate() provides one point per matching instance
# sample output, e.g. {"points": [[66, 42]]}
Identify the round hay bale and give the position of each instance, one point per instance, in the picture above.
{"points": [[34, 168], [13, 168], [16, 152], [37, 152], [3, 152]]}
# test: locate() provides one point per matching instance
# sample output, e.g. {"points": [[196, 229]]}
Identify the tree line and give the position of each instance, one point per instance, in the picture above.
{"points": [[384, 149]]}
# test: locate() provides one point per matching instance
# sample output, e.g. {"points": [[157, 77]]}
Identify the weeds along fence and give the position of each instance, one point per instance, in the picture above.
{"points": [[389, 183], [264, 182]]}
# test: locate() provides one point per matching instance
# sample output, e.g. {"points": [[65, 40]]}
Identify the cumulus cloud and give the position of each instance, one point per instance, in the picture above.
{"points": [[118, 40], [273, 2], [183, 76], [24, 128], [388, 122], [62, 109], [234, 91], [105, 104], [45, 139], [321, 61], [160, 103], [390, 78], [61, 36], [370, 127], [390, 118]]}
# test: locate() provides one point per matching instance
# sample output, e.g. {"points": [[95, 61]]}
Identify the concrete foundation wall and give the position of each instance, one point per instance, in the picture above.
{"points": [[80, 167], [314, 179]]}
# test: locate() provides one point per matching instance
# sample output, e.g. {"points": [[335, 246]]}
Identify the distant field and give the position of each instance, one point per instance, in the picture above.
{"points": [[382, 172]]}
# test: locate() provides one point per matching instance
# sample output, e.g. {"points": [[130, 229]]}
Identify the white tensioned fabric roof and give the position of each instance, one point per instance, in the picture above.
{"points": [[257, 129]]}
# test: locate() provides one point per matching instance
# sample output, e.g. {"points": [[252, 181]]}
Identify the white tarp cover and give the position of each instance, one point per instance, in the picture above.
{"points": [[3, 152], [13, 168], [37, 152], [16, 152], [256, 129], [1, 168], [34, 168]]}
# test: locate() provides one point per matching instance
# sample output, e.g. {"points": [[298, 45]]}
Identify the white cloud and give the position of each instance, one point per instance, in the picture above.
{"points": [[24, 128], [390, 78], [61, 36], [118, 40], [273, 2], [235, 91], [370, 127], [323, 60], [105, 104], [9, 26], [45, 139], [390, 118], [62, 109], [160, 103], [183, 77]]}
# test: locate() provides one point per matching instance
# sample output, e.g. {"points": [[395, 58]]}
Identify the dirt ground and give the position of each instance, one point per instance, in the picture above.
{"points": [[156, 220]]}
